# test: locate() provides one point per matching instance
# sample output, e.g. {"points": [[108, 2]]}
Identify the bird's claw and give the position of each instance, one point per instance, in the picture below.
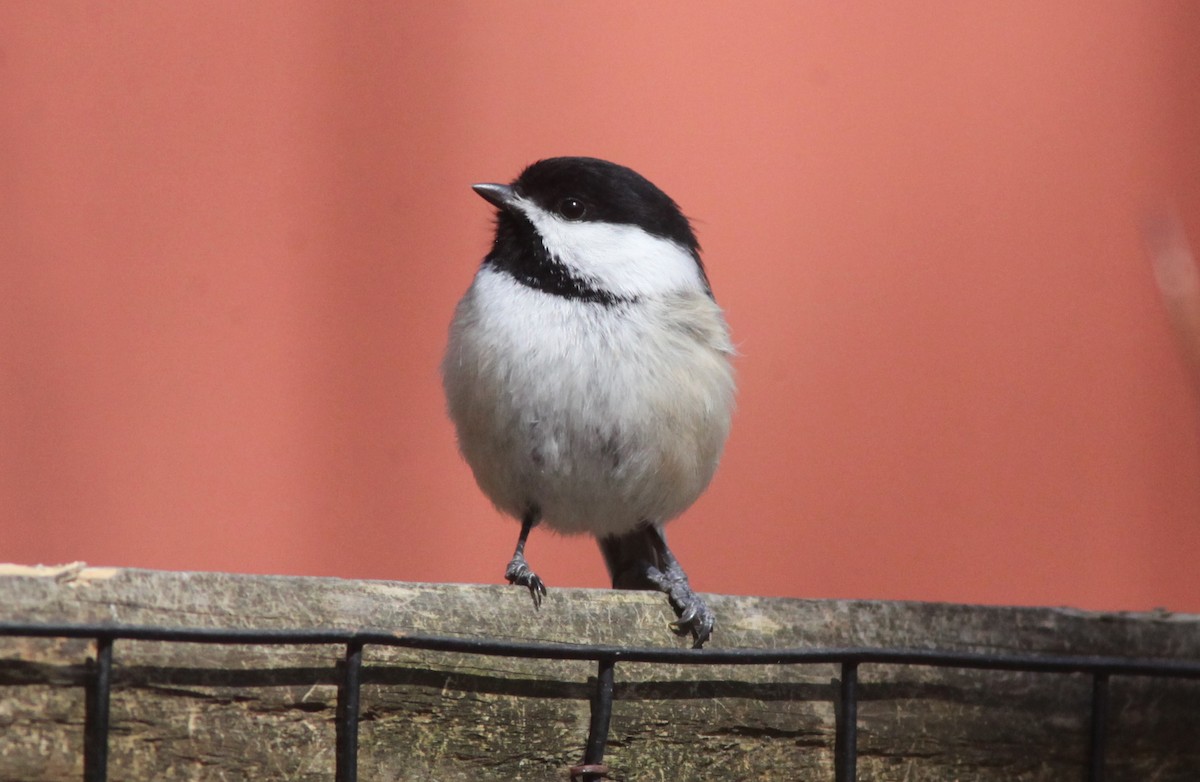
{"points": [[695, 618], [688, 615], [519, 573], [694, 615]]}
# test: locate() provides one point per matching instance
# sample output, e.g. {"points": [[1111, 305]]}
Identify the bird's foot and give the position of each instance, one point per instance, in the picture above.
{"points": [[695, 617], [518, 572]]}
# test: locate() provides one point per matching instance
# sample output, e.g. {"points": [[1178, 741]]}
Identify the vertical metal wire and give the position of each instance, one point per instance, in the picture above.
{"points": [[95, 720], [602, 702], [1099, 728], [347, 714], [845, 744]]}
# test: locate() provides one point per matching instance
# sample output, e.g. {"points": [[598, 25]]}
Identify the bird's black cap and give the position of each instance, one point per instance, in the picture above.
{"points": [[606, 192]]}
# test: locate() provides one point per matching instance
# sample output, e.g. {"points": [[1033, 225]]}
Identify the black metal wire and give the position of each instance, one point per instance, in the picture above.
{"points": [[1099, 728], [602, 702], [1101, 668], [845, 743], [347, 714], [95, 720], [1114, 666]]}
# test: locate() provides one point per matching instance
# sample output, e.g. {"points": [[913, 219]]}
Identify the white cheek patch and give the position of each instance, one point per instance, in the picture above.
{"points": [[622, 259]]}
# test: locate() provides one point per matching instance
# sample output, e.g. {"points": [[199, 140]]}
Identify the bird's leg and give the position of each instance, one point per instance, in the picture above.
{"points": [[518, 571], [642, 560], [695, 617]]}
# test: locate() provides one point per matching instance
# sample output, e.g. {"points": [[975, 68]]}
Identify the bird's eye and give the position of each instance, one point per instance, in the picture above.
{"points": [[571, 208]]}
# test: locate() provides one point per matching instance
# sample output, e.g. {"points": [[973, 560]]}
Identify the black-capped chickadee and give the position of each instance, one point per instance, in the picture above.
{"points": [[588, 370]]}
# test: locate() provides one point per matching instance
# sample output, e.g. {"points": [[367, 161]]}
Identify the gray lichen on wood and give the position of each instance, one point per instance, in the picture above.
{"points": [[205, 712]]}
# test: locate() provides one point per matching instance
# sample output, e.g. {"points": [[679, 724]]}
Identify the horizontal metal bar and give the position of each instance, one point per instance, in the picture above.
{"points": [[1122, 666]]}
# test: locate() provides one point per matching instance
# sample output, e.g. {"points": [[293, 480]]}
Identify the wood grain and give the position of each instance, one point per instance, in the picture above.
{"points": [[203, 712]]}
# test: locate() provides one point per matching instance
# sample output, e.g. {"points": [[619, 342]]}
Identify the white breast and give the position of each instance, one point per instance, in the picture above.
{"points": [[602, 417]]}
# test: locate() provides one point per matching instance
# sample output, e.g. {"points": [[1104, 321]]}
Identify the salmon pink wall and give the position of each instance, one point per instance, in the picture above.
{"points": [[232, 234]]}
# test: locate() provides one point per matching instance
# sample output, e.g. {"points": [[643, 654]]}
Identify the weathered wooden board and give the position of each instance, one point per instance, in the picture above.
{"points": [[201, 712]]}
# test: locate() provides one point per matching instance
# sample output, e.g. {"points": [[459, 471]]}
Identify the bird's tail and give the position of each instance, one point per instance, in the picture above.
{"points": [[628, 557]]}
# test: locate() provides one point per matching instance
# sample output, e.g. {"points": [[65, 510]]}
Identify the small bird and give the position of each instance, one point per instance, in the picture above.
{"points": [[588, 371]]}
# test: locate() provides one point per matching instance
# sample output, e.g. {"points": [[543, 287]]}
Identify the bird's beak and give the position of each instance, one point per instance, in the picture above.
{"points": [[498, 195]]}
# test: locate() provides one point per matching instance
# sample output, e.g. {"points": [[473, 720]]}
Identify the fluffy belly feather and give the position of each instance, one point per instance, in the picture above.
{"points": [[611, 416]]}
